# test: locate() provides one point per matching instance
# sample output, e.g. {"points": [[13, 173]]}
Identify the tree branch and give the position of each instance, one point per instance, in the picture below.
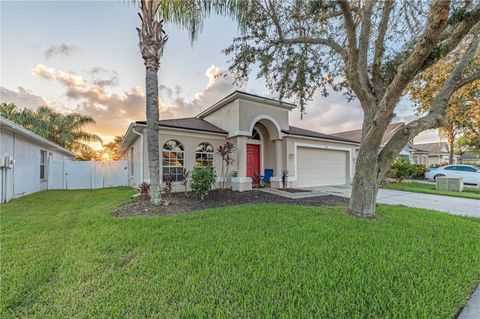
{"points": [[437, 19], [314, 41], [380, 46], [364, 41], [435, 117]]}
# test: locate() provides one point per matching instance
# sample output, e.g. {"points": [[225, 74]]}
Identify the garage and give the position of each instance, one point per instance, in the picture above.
{"points": [[320, 167]]}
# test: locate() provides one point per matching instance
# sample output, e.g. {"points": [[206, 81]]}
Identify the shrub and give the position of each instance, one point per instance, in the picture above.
{"points": [[420, 171], [402, 168], [185, 177], [202, 180], [144, 190], [226, 151], [167, 189], [284, 178]]}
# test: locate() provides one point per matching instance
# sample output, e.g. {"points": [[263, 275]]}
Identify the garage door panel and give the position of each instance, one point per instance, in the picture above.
{"points": [[319, 167]]}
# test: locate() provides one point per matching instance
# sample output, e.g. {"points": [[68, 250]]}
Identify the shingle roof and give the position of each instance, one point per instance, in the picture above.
{"points": [[307, 133], [434, 148], [356, 135], [470, 155], [189, 123]]}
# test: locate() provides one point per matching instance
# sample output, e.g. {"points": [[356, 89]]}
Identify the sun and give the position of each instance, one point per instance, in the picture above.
{"points": [[106, 156]]}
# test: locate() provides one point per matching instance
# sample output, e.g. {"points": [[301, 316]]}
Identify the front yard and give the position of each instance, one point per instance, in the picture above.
{"points": [[468, 192], [64, 255]]}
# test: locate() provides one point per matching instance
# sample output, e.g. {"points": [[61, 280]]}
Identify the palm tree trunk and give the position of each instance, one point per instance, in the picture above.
{"points": [[151, 84], [451, 140]]}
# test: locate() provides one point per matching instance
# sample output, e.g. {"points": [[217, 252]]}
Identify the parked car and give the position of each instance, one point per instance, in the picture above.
{"points": [[470, 174]]}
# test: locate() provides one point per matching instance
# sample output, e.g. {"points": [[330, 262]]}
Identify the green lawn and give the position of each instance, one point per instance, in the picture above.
{"points": [[63, 255], [468, 192]]}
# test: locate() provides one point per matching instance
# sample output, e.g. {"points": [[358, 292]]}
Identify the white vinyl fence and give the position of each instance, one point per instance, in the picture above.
{"points": [[87, 174]]}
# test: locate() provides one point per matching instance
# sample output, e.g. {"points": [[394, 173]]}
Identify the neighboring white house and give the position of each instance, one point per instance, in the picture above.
{"points": [[356, 135], [432, 154], [24, 160], [259, 128]]}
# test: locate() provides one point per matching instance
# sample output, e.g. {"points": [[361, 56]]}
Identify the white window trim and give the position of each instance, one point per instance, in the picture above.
{"points": [[196, 152], [163, 150]]}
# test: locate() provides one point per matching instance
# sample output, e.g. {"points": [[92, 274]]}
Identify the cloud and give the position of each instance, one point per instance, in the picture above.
{"points": [[61, 50], [67, 79], [103, 77], [329, 114], [113, 112], [22, 98]]}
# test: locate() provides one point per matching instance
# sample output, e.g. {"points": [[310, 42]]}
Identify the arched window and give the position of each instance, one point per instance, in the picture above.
{"points": [[173, 160], [204, 155], [255, 135]]}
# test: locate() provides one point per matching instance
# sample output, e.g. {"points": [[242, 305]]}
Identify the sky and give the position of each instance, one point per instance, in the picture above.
{"points": [[83, 56]]}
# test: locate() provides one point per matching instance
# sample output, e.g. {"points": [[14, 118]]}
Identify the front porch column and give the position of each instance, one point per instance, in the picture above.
{"points": [[241, 182], [241, 156], [276, 181]]}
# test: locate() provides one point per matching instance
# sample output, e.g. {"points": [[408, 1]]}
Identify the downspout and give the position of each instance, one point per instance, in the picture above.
{"points": [[141, 152]]}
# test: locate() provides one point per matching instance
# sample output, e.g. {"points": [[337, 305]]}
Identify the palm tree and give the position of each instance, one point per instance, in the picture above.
{"points": [[152, 40]]}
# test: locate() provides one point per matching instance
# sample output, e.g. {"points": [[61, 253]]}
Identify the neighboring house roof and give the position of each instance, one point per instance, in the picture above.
{"points": [[292, 130], [247, 96], [469, 155], [356, 135], [189, 123], [20, 130], [432, 148]]}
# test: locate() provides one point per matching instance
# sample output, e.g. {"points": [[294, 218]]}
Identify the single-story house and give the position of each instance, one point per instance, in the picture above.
{"points": [[432, 154], [469, 158], [24, 160], [259, 128], [356, 135]]}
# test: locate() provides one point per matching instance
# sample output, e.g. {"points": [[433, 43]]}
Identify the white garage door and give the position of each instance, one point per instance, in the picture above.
{"points": [[319, 167]]}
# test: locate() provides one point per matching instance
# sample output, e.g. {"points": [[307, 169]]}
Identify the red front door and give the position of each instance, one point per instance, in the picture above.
{"points": [[253, 160]]}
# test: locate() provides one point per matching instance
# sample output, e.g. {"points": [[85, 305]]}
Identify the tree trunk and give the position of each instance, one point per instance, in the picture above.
{"points": [[451, 140], [366, 181], [151, 84], [365, 186]]}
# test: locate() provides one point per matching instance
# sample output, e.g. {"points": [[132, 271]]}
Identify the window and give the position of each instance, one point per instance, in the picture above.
{"points": [[255, 135], [43, 165], [173, 160], [204, 155], [451, 168], [467, 169], [132, 152]]}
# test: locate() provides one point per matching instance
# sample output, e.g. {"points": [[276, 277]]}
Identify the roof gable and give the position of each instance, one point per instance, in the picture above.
{"points": [[434, 148], [246, 96], [356, 135]]}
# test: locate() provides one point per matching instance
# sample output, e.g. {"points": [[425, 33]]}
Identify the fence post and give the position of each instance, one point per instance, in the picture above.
{"points": [[65, 174]]}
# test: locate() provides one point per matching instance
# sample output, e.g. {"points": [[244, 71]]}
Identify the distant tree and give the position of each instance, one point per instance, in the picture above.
{"points": [[463, 109], [370, 49], [112, 149], [66, 130]]}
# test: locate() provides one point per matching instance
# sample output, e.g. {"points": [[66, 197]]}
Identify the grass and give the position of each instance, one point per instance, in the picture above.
{"points": [[468, 192], [63, 255]]}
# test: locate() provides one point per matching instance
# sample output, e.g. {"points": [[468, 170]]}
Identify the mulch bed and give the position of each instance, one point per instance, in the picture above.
{"points": [[181, 203], [294, 190]]}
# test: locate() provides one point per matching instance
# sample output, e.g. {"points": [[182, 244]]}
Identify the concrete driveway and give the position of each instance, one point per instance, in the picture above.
{"points": [[447, 204]]}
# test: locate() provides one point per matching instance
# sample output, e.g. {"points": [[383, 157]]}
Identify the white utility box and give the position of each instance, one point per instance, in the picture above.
{"points": [[445, 183]]}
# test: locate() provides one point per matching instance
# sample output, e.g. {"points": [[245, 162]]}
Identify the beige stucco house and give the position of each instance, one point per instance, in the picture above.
{"points": [[432, 154], [356, 135], [259, 128]]}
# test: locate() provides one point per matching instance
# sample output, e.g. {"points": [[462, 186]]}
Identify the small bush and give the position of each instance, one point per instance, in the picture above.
{"points": [[402, 169], [185, 176], [202, 180], [284, 178], [144, 190], [167, 189]]}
